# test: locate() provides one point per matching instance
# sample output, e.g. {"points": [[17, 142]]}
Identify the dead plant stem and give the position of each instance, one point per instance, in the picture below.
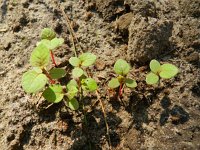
{"points": [[105, 119], [73, 37]]}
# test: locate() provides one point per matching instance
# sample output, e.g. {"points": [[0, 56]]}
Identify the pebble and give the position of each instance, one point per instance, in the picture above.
{"points": [[100, 65]]}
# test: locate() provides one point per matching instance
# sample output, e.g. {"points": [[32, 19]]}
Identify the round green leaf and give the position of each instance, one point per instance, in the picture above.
{"points": [[57, 73], [113, 83], [87, 59], [91, 84], [48, 34], [130, 83], [72, 91], [72, 83], [55, 43], [53, 93], [121, 67], [40, 56], [32, 81], [155, 66], [168, 71], [74, 61], [73, 104], [152, 78], [77, 72]]}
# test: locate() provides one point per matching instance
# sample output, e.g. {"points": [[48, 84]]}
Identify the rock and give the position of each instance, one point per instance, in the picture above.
{"points": [[122, 24], [179, 115], [148, 38], [88, 16], [100, 65], [193, 57], [165, 102]]}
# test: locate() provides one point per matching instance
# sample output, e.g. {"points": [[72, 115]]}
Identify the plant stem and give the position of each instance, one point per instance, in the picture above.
{"points": [[120, 90], [52, 58], [48, 76], [105, 119], [84, 113]]}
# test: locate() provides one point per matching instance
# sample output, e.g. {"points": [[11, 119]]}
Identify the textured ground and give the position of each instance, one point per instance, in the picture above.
{"points": [[159, 117]]}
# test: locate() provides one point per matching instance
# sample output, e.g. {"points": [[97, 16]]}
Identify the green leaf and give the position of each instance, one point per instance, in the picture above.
{"points": [[72, 83], [53, 93], [37, 69], [168, 71], [57, 73], [48, 34], [72, 92], [113, 83], [77, 72], [152, 78], [73, 104], [40, 56], [87, 59], [55, 43], [45, 42], [130, 83], [155, 66], [74, 61], [121, 67], [33, 81], [91, 84]]}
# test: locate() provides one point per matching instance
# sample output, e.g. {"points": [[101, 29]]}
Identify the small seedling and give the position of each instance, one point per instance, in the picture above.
{"points": [[81, 80], [121, 68], [165, 71], [35, 80]]}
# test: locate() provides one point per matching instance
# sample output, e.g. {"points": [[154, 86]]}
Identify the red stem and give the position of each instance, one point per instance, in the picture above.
{"points": [[48, 76], [52, 81], [120, 90], [53, 59]]}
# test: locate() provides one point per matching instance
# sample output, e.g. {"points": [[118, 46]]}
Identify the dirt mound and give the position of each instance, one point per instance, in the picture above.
{"points": [[148, 38]]}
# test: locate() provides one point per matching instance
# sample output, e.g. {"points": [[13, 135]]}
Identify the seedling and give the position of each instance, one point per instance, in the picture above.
{"points": [[35, 80], [81, 79], [48, 38], [121, 68], [165, 71]]}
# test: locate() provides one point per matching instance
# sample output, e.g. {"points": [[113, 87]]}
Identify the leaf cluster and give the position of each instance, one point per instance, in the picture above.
{"points": [[122, 68], [165, 71], [80, 77], [35, 79]]}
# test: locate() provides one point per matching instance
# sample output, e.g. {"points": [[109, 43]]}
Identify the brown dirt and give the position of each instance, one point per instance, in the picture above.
{"points": [[152, 117]]}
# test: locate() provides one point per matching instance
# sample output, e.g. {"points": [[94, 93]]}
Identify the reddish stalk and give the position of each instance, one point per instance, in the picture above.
{"points": [[120, 90], [48, 76], [52, 58]]}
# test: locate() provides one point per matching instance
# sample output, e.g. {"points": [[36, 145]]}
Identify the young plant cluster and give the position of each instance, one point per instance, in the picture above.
{"points": [[36, 79], [165, 71], [121, 68], [40, 78]]}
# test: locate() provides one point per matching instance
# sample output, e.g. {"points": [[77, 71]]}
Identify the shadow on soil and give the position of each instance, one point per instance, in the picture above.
{"points": [[89, 132]]}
